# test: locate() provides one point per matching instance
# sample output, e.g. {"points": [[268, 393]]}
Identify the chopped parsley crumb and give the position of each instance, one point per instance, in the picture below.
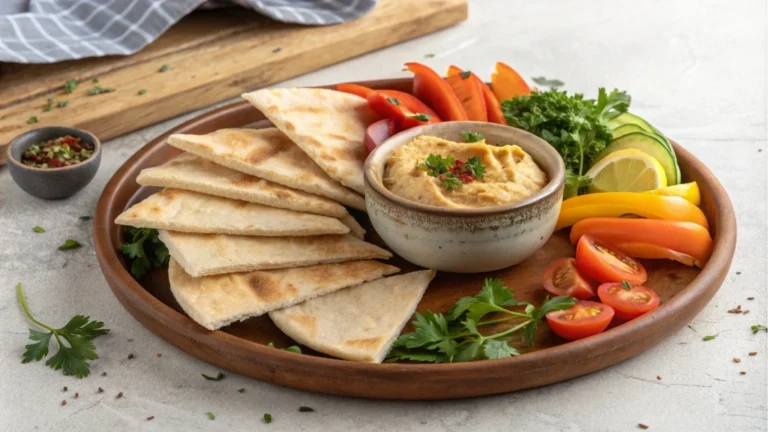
{"points": [[38, 229], [242, 390], [70, 244], [218, 377], [99, 90], [708, 337], [70, 86], [471, 137], [429, 55], [210, 416], [142, 92], [163, 68], [267, 418], [626, 285], [62, 104], [759, 327], [32, 120], [306, 409], [48, 106]]}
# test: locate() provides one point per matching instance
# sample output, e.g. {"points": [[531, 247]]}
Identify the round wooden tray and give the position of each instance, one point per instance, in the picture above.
{"points": [[242, 347]]}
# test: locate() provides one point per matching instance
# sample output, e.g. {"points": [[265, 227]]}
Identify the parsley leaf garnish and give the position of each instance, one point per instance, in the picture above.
{"points": [[210, 415], [99, 90], [475, 166], [72, 356], [627, 286], [144, 250], [38, 229], [470, 137], [465, 74], [455, 336], [70, 244], [70, 86], [574, 126], [436, 164], [553, 83], [758, 327], [218, 377], [450, 181]]}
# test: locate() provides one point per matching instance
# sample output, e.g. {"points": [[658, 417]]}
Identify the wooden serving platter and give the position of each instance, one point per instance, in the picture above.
{"points": [[211, 56], [241, 347]]}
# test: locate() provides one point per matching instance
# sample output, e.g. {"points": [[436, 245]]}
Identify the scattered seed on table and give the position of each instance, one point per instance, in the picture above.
{"points": [[64, 389], [100, 390], [130, 356], [753, 353], [63, 402], [103, 374], [119, 395], [277, 50], [750, 298], [150, 418], [736, 310], [130, 340], [736, 360], [746, 311], [658, 377], [738, 273], [158, 355], [642, 426], [743, 372], [77, 395]]}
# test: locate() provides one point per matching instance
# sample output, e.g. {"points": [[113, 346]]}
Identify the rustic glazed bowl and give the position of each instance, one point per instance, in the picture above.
{"points": [[52, 183], [465, 240]]}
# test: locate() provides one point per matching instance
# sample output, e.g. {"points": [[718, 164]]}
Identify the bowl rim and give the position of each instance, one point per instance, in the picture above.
{"points": [[13, 161], [556, 181]]}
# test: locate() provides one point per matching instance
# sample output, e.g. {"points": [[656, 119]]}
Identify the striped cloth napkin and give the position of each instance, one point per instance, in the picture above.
{"points": [[48, 31]]}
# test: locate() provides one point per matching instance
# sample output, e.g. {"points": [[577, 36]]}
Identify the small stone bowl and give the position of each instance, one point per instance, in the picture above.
{"points": [[52, 183], [465, 240]]}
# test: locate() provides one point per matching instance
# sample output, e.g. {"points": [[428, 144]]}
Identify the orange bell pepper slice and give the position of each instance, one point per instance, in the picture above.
{"points": [[354, 89], [394, 109], [492, 105], [432, 89], [507, 83], [615, 204], [686, 242], [469, 92]]}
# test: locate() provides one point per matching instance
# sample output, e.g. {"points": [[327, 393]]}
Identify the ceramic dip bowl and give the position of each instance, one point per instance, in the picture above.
{"points": [[52, 183], [465, 240]]}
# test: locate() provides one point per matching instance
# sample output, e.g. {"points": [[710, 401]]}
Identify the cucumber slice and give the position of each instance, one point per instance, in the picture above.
{"points": [[625, 129], [649, 144], [627, 118]]}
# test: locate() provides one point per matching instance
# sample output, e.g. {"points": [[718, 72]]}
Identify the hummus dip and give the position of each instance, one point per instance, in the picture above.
{"points": [[510, 174]]}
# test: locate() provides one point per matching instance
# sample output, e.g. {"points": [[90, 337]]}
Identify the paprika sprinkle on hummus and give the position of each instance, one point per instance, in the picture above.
{"points": [[437, 172], [56, 153]]}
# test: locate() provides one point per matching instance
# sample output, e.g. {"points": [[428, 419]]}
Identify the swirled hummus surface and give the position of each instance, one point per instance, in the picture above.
{"points": [[510, 174]]}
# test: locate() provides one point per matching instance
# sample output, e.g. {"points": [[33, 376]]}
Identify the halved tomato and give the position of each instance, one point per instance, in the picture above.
{"points": [[561, 278], [629, 301], [605, 263], [377, 133], [584, 319]]}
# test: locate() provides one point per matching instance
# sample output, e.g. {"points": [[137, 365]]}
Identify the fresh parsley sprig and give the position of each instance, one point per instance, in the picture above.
{"points": [[453, 173], [471, 137], [455, 336], [144, 250], [75, 341]]}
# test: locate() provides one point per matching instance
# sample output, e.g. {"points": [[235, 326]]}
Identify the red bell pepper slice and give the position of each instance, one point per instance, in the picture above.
{"points": [[394, 109], [354, 89], [434, 91]]}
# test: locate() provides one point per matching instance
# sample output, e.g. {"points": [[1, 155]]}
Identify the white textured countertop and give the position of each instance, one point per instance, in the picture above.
{"points": [[696, 69]]}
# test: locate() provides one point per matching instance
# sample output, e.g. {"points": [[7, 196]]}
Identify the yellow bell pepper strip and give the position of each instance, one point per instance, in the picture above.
{"points": [[615, 204], [689, 191], [686, 242]]}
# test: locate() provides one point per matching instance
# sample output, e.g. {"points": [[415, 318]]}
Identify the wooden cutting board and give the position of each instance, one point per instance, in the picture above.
{"points": [[211, 56]]}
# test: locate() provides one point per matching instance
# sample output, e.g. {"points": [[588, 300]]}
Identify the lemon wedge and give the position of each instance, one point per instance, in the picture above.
{"points": [[689, 191], [627, 170]]}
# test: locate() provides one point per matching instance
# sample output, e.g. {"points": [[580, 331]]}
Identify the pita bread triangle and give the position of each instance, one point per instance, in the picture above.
{"points": [[193, 212], [358, 323], [208, 254], [328, 125], [270, 155], [190, 172], [216, 301]]}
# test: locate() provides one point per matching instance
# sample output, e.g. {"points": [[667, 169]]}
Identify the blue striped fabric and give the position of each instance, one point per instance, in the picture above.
{"points": [[48, 31]]}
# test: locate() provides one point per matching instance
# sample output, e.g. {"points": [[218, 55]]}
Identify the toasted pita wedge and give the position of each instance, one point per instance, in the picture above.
{"points": [[358, 323], [190, 172], [354, 227], [217, 301], [193, 212], [328, 125], [206, 254], [270, 155]]}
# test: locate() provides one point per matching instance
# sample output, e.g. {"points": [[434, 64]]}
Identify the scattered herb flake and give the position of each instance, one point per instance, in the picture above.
{"points": [[471, 137], [62, 104], [150, 418], [475, 167], [131, 356], [144, 250], [758, 327], [70, 86], [95, 80], [38, 229], [48, 106], [293, 349], [421, 117], [465, 74], [542, 81], [218, 377], [306, 409], [393, 101], [277, 50], [72, 357], [627, 286], [708, 337], [119, 395], [267, 418], [100, 390], [70, 244], [210, 415], [429, 55], [64, 389], [142, 92], [241, 390], [32, 120], [271, 345], [163, 68], [97, 90]]}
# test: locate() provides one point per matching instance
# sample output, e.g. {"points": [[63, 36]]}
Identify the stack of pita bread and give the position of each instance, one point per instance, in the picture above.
{"points": [[255, 223]]}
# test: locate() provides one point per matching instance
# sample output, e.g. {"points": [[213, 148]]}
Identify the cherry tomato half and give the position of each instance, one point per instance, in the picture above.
{"points": [[584, 319], [377, 133], [561, 278], [629, 303], [605, 263]]}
